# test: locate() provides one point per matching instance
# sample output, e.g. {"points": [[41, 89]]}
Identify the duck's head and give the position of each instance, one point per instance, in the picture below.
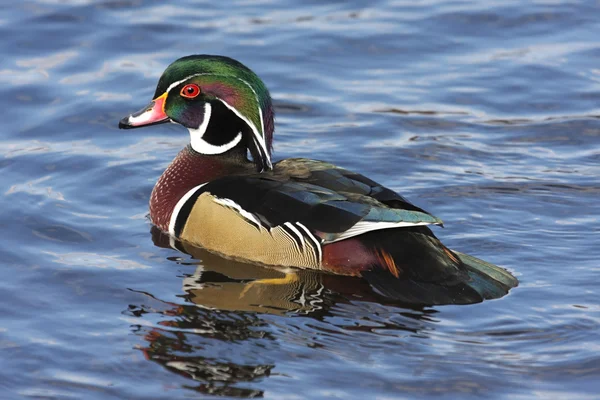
{"points": [[223, 104]]}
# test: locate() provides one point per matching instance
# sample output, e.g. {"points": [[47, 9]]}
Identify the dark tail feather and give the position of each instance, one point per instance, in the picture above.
{"points": [[489, 280], [480, 281]]}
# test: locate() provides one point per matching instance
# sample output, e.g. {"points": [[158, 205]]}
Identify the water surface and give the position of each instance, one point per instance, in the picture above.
{"points": [[484, 113]]}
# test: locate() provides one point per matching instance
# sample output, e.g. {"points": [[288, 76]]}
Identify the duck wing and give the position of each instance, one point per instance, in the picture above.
{"points": [[329, 201]]}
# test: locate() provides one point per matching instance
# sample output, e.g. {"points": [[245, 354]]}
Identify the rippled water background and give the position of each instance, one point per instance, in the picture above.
{"points": [[484, 113]]}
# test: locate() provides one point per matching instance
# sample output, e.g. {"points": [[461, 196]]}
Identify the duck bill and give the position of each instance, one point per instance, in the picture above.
{"points": [[152, 114]]}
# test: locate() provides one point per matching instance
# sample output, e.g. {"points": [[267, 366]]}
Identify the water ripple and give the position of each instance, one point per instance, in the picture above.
{"points": [[484, 113]]}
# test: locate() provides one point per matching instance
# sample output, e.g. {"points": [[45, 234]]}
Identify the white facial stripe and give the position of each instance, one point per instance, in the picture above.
{"points": [[178, 206], [259, 138], [262, 123], [203, 147], [259, 149], [181, 81], [207, 113]]}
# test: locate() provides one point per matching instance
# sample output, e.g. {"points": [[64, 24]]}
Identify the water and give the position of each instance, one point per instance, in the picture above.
{"points": [[484, 113]]}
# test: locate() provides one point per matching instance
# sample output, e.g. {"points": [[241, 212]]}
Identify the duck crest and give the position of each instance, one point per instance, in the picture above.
{"points": [[233, 84]]}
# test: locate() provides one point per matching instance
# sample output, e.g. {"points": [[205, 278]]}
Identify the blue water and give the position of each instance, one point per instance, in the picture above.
{"points": [[484, 113]]}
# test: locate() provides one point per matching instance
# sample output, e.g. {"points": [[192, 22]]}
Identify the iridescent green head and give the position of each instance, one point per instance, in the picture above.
{"points": [[222, 103]]}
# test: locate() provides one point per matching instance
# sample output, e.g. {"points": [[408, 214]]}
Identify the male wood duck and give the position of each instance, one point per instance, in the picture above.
{"points": [[296, 212]]}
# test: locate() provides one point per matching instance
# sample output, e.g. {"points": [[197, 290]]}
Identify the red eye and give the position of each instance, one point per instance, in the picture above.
{"points": [[190, 91]]}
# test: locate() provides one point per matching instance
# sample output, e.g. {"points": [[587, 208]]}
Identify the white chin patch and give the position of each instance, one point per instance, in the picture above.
{"points": [[202, 146]]}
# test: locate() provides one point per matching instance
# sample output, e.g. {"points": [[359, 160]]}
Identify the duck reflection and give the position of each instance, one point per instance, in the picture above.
{"points": [[224, 284], [202, 345], [222, 335], [257, 289]]}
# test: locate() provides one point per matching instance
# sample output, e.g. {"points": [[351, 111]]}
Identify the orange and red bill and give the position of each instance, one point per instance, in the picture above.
{"points": [[152, 114]]}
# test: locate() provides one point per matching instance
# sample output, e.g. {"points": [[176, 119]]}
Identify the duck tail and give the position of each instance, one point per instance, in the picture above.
{"points": [[489, 280], [468, 279]]}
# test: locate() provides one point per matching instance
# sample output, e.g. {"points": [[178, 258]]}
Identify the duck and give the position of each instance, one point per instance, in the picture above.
{"points": [[224, 193]]}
